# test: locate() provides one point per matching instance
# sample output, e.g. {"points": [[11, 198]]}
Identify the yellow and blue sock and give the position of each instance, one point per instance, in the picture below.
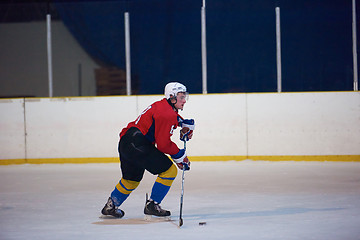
{"points": [[122, 191], [163, 183]]}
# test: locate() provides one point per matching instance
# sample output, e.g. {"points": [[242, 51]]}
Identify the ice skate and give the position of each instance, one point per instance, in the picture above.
{"points": [[110, 210], [154, 209]]}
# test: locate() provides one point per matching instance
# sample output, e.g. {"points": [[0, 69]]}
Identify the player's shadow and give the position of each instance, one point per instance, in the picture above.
{"points": [[265, 213]]}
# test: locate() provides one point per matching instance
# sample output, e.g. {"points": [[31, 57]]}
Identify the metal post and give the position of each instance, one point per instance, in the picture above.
{"points": [[355, 64], [278, 49], [127, 53], [49, 54], [80, 79], [203, 49]]}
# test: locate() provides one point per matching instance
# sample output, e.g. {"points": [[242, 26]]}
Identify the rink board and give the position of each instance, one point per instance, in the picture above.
{"points": [[321, 126]]}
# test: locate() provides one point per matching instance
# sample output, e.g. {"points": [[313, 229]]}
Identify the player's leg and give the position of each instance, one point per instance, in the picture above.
{"points": [[131, 178], [163, 183], [159, 164], [159, 190], [132, 173]]}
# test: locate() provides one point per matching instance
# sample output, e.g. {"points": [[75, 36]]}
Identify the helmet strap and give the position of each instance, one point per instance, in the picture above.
{"points": [[171, 103]]}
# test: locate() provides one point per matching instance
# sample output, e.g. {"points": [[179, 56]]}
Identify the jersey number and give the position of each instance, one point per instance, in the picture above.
{"points": [[138, 118], [172, 129]]}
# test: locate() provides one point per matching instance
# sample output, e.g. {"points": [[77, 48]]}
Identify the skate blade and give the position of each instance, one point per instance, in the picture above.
{"points": [[107, 217], [153, 218]]}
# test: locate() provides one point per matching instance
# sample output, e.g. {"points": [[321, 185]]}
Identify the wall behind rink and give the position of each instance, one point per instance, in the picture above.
{"points": [[265, 126]]}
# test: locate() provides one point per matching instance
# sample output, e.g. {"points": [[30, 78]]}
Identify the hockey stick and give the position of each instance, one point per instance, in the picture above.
{"points": [[181, 222]]}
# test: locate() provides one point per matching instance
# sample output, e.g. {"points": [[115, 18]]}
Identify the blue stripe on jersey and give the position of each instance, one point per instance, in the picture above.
{"points": [[150, 135]]}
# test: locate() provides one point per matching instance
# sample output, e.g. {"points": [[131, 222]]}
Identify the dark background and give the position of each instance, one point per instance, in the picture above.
{"points": [[316, 39]]}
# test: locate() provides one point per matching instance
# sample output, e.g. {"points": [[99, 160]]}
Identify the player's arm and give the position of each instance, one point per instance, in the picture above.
{"points": [[164, 128], [187, 129], [163, 131], [181, 160]]}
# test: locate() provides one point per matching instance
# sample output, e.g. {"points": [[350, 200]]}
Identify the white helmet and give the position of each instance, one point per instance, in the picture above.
{"points": [[173, 88]]}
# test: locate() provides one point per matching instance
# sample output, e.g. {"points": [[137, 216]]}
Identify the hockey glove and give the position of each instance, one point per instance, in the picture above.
{"points": [[181, 160], [184, 165], [188, 126]]}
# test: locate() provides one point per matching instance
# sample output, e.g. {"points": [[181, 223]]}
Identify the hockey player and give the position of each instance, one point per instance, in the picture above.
{"points": [[143, 145]]}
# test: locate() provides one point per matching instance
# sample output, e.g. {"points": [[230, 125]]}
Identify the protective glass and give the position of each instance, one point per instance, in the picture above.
{"points": [[183, 95]]}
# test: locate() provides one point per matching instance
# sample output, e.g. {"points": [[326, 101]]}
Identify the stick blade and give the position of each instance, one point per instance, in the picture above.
{"points": [[181, 222]]}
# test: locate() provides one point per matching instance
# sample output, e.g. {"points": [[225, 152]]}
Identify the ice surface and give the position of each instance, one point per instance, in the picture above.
{"points": [[238, 200]]}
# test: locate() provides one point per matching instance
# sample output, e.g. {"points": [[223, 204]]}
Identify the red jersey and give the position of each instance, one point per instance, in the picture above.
{"points": [[157, 122]]}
